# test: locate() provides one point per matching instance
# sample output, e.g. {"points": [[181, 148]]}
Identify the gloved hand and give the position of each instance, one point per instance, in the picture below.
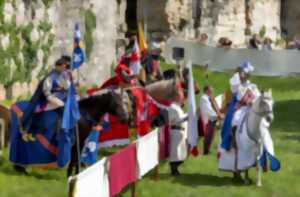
{"points": [[56, 101], [105, 125]]}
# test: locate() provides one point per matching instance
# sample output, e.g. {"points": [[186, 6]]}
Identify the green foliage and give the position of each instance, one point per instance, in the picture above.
{"points": [[281, 42], [2, 3], [11, 54], [47, 3], [26, 31], [29, 51], [4, 67], [46, 48], [21, 45], [14, 4], [90, 25], [263, 31], [45, 26]]}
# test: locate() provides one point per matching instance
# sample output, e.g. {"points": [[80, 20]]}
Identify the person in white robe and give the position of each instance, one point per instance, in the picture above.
{"points": [[178, 141]]}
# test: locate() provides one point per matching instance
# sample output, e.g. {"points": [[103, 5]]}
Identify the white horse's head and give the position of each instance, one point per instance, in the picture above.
{"points": [[265, 105]]}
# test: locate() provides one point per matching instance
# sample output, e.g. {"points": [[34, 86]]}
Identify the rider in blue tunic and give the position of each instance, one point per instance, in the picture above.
{"points": [[50, 94]]}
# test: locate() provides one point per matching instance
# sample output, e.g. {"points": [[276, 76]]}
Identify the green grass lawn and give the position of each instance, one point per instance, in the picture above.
{"points": [[200, 175]]}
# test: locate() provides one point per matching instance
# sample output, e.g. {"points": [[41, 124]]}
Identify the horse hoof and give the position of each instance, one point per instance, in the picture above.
{"points": [[175, 173], [259, 185], [237, 179], [248, 181], [20, 170]]}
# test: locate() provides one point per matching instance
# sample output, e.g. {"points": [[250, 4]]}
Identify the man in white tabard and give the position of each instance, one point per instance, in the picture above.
{"points": [[178, 142]]}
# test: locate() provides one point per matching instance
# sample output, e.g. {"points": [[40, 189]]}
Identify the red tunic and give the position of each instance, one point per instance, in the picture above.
{"points": [[117, 135], [114, 81], [146, 110]]}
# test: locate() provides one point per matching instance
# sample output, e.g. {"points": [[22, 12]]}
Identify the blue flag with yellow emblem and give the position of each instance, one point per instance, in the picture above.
{"points": [[71, 113], [78, 54]]}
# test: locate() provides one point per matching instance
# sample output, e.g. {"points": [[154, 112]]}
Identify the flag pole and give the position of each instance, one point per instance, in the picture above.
{"points": [[77, 148], [77, 128], [133, 193], [156, 175]]}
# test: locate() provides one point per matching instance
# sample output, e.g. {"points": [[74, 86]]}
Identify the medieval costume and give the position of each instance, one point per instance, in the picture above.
{"points": [[118, 133], [50, 94], [55, 89], [209, 118], [178, 141], [91, 145], [123, 78], [151, 64], [244, 94]]}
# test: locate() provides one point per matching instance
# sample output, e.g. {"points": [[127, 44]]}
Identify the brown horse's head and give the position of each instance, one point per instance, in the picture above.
{"points": [[113, 101], [120, 105], [165, 89]]}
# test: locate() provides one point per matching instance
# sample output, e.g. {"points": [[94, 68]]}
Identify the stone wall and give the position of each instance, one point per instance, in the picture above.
{"points": [[165, 17], [223, 19], [100, 22], [33, 34], [266, 13], [292, 18], [218, 18]]}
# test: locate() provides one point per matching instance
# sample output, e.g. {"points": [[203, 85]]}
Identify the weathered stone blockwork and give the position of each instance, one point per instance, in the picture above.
{"points": [[33, 34], [217, 18]]}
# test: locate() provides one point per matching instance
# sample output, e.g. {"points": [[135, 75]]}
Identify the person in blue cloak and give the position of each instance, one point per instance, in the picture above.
{"points": [[51, 94]]}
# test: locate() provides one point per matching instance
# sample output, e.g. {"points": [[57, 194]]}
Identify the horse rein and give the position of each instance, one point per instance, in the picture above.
{"points": [[261, 114]]}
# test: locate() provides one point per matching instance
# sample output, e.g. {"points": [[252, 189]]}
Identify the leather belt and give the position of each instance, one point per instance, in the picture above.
{"points": [[176, 127]]}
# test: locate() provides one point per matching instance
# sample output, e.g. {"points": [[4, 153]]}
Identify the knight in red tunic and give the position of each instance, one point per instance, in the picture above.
{"points": [[118, 133], [123, 79]]}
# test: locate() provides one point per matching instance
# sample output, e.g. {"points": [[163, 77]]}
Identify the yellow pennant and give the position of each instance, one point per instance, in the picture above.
{"points": [[141, 38]]}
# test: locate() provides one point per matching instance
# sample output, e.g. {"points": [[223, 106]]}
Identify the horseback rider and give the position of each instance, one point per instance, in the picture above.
{"points": [[244, 94], [123, 79], [50, 94], [151, 63], [56, 85], [245, 91]]}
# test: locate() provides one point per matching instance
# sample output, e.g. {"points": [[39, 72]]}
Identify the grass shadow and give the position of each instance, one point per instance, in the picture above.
{"points": [[287, 115], [197, 179], [292, 137], [7, 168]]}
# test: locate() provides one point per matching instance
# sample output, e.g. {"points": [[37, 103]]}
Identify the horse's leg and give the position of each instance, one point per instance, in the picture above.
{"points": [[70, 170], [247, 179], [20, 169], [2, 134], [258, 172], [237, 173]]}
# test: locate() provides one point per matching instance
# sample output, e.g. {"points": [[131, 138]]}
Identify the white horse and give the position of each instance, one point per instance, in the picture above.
{"points": [[251, 137]]}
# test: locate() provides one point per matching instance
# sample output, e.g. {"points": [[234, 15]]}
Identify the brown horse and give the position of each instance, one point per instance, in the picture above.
{"points": [[115, 102], [164, 89], [4, 126]]}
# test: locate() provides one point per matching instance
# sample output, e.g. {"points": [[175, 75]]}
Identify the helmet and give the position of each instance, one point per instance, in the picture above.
{"points": [[123, 73]]}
